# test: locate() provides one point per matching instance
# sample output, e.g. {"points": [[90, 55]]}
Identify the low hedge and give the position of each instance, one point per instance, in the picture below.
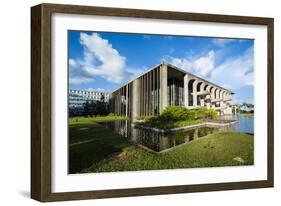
{"points": [[180, 113]]}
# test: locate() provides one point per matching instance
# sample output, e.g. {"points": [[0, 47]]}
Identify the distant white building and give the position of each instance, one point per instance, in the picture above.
{"points": [[76, 98]]}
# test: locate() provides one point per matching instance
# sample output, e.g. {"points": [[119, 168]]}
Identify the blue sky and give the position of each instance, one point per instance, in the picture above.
{"points": [[104, 61]]}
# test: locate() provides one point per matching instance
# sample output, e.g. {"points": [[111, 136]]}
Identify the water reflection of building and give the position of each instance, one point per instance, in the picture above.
{"points": [[165, 85], [157, 141]]}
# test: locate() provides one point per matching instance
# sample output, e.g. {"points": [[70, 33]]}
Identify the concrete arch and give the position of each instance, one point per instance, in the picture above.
{"points": [[190, 86], [217, 93], [208, 88], [220, 94], [224, 95], [198, 87], [205, 87], [202, 86], [212, 91]]}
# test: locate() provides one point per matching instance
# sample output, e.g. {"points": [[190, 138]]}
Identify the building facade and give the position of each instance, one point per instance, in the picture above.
{"points": [[77, 98], [165, 85]]}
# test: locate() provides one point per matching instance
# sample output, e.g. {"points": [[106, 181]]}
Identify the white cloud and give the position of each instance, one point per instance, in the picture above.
{"points": [[76, 73], [235, 72], [79, 80], [131, 73], [201, 66], [182, 63], [98, 89], [72, 63], [100, 59], [232, 73], [205, 64]]}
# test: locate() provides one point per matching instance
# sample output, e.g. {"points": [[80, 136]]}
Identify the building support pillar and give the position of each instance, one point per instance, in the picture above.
{"points": [[185, 90], [136, 94], [202, 102], [127, 100], [208, 104], [163, 86], [194, 93]]}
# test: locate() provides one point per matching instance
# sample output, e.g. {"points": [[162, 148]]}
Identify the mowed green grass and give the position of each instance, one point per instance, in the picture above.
{"points": [[88, 120], [98, 149], [90, 143]]}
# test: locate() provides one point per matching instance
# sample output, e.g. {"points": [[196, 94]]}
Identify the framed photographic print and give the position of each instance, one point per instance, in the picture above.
{"points": [[130, 102]]}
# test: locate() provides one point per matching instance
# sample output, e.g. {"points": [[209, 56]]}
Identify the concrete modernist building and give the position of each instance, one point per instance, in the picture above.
{"points": [[76, 98], [165, 85]]}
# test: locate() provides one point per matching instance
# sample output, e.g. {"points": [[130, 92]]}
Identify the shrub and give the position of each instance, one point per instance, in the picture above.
{"points": [[176, 113], [180, 113], [204, 113], [111, 115]]}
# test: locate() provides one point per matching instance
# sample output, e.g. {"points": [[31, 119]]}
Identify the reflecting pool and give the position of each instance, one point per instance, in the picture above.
{"points": [[244, 123], [157, 141]]}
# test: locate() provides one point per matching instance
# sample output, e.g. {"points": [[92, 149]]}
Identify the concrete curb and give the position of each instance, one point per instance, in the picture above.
{"points": [[210, 124]]}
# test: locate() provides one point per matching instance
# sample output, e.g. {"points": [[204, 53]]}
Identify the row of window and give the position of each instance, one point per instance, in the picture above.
{"points": [[82, 92]]}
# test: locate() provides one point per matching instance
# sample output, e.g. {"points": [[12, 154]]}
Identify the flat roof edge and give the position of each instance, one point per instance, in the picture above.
{"points": [[174, 67]]}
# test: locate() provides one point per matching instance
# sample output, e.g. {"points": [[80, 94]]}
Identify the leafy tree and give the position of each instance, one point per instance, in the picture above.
{"points": [[89, 108], [102, 98], [94, 108], [246, 107], [86, 108]]}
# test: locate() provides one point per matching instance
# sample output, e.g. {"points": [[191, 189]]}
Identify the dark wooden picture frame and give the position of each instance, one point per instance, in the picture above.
{"points": [[41, 101]]}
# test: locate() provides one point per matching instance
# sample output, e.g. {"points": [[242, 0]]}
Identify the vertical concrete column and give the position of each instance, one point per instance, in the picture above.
{"points": [[208, 97], [194, 92], [202, 102], [208, 105], [136, 94], [213, 93], [220, 94], [185, 90], [163, 86], [221, 102], [213, 97], [217, 94], [152, 90], [223, 96], [144, 95], [148, 93], [127, 100]]}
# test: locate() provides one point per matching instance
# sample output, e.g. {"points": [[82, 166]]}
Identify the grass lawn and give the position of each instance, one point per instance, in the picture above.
{"points": [[93, 148], [90, 143], [87, 120]]}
